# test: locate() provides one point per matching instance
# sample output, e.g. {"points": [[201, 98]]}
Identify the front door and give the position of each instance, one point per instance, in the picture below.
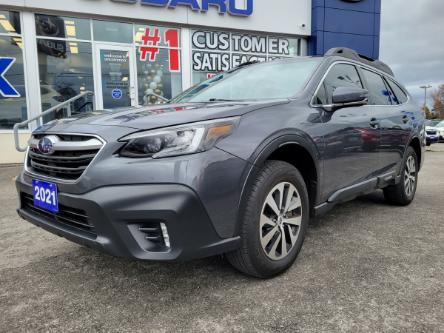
{"points": [[116, 85], [352, 134]]}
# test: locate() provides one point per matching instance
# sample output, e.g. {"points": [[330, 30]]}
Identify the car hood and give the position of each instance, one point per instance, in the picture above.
{"points": [[145, 118]]}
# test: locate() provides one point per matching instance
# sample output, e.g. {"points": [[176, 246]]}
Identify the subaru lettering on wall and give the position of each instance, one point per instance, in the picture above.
{"points": [[223, 6]]}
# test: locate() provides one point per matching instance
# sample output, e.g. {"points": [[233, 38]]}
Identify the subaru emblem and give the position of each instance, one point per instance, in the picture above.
{"points": [[46, 144]]}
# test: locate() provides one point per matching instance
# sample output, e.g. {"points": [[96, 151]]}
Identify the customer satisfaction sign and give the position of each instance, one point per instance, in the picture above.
{"points": [[220, 51]]}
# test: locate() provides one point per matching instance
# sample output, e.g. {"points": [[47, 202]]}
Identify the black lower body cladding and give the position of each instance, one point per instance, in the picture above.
{"points": [[127, 220]]}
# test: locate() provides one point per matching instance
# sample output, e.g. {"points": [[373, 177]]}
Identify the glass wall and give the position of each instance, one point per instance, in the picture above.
{"points": [[65, 57], [66, 47], [13, 107], [65, 60], [217, 51]]}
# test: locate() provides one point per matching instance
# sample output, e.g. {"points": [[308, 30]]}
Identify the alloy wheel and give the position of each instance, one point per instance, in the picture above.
{"points": [[280, 221], [410, 176]]}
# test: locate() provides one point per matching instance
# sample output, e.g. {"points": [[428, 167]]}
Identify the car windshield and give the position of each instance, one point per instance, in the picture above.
{"points": [[272, 80], [441, 124], [433, 123]]}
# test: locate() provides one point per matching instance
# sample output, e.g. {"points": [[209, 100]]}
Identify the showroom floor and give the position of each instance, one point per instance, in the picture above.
{"points": [[365, 267]]}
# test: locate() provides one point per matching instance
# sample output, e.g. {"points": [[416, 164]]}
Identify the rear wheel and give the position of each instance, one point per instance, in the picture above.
{"points": [[274, 222], [403, 193]]}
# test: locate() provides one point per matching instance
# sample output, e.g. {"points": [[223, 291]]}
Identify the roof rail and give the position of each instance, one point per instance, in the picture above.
{"points": [[244, 64], [352, 54]]}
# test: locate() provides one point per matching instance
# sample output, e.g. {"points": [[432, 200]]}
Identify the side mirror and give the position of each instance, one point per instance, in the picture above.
{"points": [[348, 96]]}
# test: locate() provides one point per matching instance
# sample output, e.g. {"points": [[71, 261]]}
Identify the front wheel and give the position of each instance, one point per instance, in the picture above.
{"points": [[274, 222], [403, 193]]}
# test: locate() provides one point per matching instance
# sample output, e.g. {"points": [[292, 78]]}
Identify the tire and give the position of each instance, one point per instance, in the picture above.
{"points": [[259, 255], [403, 193]]}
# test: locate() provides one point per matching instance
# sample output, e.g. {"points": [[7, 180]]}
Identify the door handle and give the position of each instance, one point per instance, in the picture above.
{"points": [[374, 123]]}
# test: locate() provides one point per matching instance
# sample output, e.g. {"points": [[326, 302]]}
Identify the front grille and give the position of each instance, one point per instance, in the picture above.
{"points": [[67, 216], [431, 132], [71, 156]]}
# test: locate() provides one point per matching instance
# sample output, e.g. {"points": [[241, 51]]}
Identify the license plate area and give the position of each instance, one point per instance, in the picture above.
{"points": [[45, 195]]}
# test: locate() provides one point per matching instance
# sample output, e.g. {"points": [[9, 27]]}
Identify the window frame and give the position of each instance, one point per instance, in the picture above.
{"points": [[13, 34], [324, 77], [63, 16], [385, 77], [390, 90], [359, 67], [367, 86], [389, 82]]}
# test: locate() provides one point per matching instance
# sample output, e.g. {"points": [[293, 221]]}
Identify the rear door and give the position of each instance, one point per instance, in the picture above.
{"points": [[351, 134], [391, 119], [405, 118]]}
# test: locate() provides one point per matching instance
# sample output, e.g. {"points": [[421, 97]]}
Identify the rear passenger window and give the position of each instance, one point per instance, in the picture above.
{"points": [[400, 97], [341, 75], [378, 92]]}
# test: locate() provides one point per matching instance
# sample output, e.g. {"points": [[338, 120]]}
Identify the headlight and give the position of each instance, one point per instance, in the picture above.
{"points": [[178, 140]]}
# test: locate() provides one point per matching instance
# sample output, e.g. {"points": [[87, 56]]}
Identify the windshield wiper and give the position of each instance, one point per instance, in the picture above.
{"points": [[222, 100]]}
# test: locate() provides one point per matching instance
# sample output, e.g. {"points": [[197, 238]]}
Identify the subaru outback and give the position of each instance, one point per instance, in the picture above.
{"points": [[236, 165]]}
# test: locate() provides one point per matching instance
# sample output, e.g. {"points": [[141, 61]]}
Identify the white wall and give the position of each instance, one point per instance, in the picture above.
{"points": [[278, 16], [9, 155]]}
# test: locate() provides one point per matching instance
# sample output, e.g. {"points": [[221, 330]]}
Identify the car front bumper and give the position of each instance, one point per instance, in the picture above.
{"points": [[432, 139], [112, 217]]}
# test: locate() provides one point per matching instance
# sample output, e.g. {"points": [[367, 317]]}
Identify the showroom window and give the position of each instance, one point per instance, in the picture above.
{"points": [[62, 27], [13, 107], [65, 60], [116, 32], [218, 51], [159, 70]]}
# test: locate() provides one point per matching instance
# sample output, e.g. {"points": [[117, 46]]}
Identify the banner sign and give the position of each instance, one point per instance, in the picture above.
{"points": [[6, 88], [219, 51]]}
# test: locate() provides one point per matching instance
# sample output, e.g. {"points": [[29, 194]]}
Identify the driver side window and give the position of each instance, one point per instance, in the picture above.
{"points": [[341, 75]]}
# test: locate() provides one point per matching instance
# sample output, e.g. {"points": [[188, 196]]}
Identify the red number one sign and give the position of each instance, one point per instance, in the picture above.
{"points": [[172, 39], [149, 43], [149, 49]]}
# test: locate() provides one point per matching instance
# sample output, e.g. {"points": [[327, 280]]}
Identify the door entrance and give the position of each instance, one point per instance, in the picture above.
{"points": [[116, 85]]}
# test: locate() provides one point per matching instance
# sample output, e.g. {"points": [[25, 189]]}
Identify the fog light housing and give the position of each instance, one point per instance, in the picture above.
{"points": [[152, 236], [166, 237]]}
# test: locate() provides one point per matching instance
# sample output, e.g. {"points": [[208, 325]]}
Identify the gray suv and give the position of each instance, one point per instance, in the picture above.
{"points": [[236, 165]]}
